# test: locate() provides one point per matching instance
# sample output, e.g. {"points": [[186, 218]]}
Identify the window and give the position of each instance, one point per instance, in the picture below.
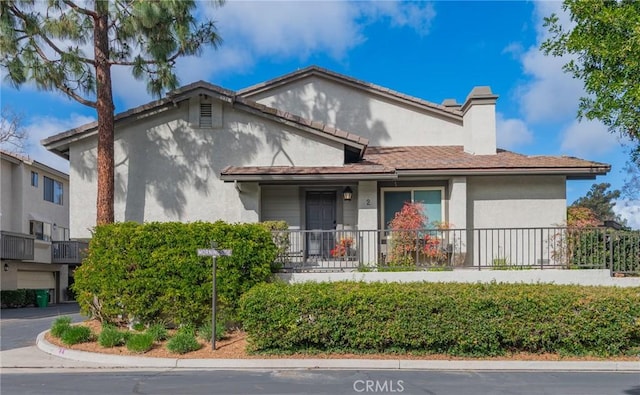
{"points": [[431, 199], [206, 115], [60, 233], [34, 179], [52, 190], [41, 230]]}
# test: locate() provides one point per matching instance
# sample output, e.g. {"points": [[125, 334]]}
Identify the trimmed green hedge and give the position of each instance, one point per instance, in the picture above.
{"points": [[18, 298], [152, 271], [456, 319]]}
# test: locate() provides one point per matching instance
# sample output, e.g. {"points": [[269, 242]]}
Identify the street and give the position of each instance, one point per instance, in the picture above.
{"points": [[19, 327], [320, 382]]}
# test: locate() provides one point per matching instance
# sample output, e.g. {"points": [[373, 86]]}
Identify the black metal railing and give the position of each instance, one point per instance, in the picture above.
{"points": [[71, 252], [16, 246], [440, 249]]}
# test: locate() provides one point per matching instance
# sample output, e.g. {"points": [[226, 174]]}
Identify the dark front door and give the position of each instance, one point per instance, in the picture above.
{"points": [[320, 216]]}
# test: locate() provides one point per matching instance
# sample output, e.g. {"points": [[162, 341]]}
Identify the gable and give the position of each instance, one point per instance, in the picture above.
{"points": [[384, 117]]}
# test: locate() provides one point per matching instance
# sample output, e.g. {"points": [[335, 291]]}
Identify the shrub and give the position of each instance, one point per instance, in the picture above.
{"points": [[13, 298], [140, 342], [183, 342], [158, 331], [111, 337], [152, 272], [60, 325], [456, 319], [76, 334], [205, 333]]}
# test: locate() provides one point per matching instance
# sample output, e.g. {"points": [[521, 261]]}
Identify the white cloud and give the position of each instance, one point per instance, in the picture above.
{"points": [[417, 16], [512, 132], [588, 138], [551, 95], [629, 210], [39, 128]]}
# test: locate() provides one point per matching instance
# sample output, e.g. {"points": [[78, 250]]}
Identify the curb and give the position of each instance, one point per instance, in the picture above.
{"points": [[117, 361]]}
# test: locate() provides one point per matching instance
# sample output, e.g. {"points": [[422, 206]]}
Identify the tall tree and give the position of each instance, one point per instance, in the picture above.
{"points": [[600, 201], [603, 45], [70, 46], [13, 135]]}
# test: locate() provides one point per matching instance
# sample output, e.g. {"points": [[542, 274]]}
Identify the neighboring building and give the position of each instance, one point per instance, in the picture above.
{"points": [[288, 149], [35, 250]]}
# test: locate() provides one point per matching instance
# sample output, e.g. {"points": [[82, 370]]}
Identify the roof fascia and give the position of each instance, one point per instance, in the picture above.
{"points": [[306, 177], [566, 171]]}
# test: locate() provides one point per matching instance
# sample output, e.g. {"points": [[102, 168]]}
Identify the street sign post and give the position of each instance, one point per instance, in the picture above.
{"points": [[214, 253]]}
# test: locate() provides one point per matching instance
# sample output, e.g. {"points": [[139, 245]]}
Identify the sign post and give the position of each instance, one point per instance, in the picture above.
{"points": [[214, 253]]}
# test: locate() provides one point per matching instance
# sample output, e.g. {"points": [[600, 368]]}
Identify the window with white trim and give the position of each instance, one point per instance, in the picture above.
{"points": [[53, 190], [393, 199]]}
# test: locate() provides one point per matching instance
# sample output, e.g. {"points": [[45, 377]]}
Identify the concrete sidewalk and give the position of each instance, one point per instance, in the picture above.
{"points": [[47, 355]]}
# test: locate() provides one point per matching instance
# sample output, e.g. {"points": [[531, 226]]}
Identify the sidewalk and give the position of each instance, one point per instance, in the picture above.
{"points": [[47, 355]]}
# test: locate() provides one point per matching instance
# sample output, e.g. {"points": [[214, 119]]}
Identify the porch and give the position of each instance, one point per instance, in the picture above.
{"points": [[68, 252], [446, 249], [16, 246]]}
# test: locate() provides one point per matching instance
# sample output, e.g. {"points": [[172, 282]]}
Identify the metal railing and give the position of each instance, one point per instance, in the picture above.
{"points": [[72, 252], [441, 249], [16, 246]]}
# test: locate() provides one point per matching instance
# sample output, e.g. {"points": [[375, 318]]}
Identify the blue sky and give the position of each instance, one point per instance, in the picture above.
{"points": [[432, 50]]}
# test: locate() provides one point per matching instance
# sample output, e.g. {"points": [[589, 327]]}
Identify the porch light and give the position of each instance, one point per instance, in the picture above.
{"points": [[6, 267], [347, 194]]}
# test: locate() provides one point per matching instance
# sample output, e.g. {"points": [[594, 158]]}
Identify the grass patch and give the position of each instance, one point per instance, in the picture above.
{"points": [[140, 342], [76, 334], [111, 337], [60, 325], [158, 331], [183, 342]]}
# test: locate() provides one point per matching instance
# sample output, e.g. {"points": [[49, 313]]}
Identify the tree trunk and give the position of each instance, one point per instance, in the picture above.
{"points": [[105, 109]]}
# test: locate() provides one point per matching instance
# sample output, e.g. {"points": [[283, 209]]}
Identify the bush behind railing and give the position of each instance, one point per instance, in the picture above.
{"points": [[152, 271], [455, 319]]}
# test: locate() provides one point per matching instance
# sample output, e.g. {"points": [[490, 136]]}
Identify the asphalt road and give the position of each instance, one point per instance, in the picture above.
{"points": [[20, 327], [321, 382]]}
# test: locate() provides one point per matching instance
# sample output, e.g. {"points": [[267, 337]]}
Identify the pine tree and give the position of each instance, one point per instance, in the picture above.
{"points": [[48, 43]]}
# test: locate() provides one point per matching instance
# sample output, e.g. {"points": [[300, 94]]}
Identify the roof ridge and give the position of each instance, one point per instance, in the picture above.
{"points": [[314, 69]]}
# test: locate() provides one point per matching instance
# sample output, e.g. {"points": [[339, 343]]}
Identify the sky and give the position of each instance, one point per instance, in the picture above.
{"points": [[431, 50]]}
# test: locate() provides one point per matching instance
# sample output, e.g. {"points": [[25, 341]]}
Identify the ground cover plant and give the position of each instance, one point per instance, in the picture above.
{"points": [[60, 325], [76, 334], [151, 272], [456, 319]]}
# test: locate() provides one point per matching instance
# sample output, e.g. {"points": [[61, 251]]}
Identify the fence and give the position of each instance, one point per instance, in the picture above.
{"points": [[441, 249]]}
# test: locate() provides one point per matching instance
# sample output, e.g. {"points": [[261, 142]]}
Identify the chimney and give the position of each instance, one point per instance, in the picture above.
{"points": [[479, 121]]}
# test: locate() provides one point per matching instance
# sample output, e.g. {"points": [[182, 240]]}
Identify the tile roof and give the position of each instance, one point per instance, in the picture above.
{"points": [[433, 160], [453, 157], [316, 70]]}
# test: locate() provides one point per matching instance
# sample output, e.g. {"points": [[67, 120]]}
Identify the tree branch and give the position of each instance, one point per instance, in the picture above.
{"points": [[80, 9]]}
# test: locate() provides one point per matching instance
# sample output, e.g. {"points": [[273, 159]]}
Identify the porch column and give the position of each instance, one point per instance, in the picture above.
{"points": [[457, 218], [368, 222]]}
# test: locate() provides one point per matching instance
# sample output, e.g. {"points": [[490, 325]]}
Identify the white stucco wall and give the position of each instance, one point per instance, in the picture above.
{"points": [[516, 201], [550, 276], [167, 169], [382, 121]]}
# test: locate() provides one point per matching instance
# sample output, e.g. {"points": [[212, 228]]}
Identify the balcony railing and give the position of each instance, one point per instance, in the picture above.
{"points": [[441, 249], [72, 252], [16, 246]]}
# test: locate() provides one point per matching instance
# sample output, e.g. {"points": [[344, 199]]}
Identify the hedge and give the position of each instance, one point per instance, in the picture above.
{"points": [[455, 319], [152, 271], [18, 297]]}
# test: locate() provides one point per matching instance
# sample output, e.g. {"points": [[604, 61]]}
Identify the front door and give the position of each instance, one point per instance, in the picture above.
{"points": [[320, 215]]}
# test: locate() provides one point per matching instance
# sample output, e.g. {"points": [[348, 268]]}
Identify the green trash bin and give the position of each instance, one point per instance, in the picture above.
{"points": [[42, 297]]}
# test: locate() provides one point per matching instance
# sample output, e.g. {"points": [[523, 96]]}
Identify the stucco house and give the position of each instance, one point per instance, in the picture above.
{"points": [[322, 151], [35, 250]]}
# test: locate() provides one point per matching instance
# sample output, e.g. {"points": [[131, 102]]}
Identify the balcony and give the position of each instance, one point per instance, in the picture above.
{"points": [[69, 252], [446, 249], [16, 246]]}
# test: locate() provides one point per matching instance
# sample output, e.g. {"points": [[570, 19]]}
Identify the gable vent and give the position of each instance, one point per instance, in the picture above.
{"points": [[206, 115]]}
